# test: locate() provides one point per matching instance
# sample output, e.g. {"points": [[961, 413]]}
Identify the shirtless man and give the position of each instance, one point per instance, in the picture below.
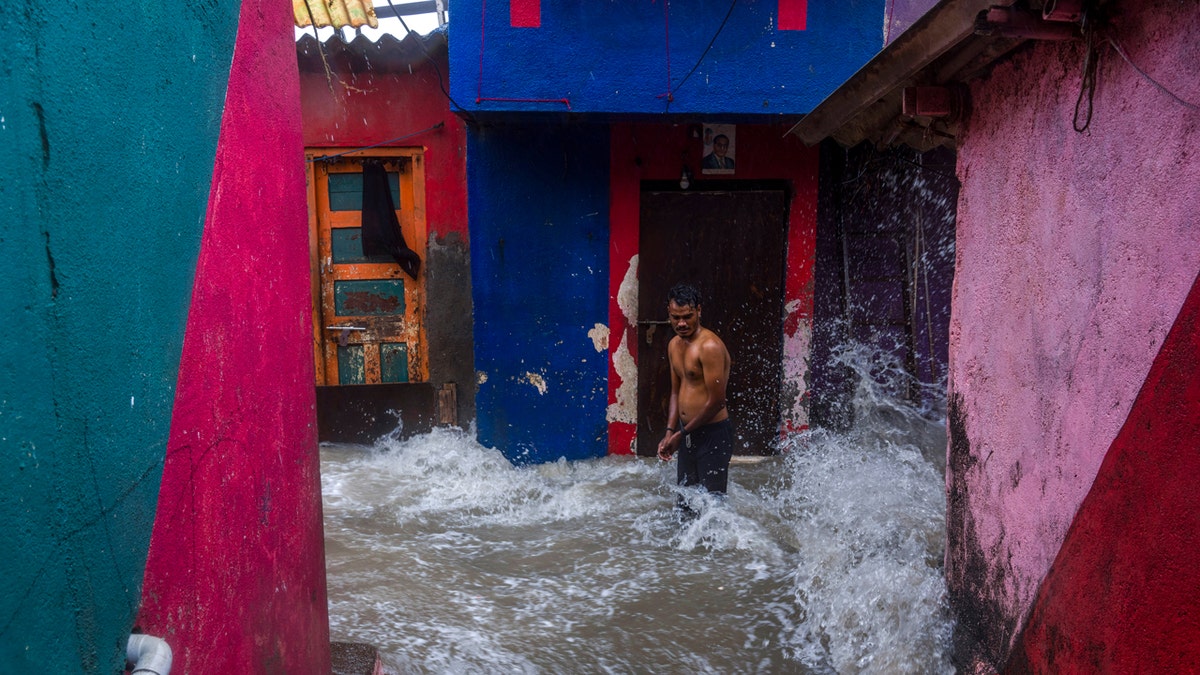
{"points": [[698, 425]]}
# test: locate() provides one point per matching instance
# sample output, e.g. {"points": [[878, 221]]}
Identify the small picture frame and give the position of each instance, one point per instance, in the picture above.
{"points": [[719, 156]]}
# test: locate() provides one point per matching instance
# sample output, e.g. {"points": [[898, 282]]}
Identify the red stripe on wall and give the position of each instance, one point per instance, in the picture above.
{"points": [[525, 13], [235, 576], [1121, 595], [793, 14]]}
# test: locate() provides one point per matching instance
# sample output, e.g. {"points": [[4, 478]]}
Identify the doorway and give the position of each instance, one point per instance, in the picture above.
{"points": [[368, 315], [731, 244]]}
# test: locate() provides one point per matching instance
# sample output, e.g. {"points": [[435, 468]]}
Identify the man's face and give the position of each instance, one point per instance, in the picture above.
{"points": [[720, 147], [685, 319]]}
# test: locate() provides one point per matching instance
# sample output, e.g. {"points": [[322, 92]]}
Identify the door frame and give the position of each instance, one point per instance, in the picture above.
{"points": [[415, 228], [642, 324]]}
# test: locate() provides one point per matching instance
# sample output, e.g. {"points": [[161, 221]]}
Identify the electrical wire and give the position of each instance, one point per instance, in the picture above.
{"points": [[436, 67], [1087, 83], [710, 44], [1151, 80]]}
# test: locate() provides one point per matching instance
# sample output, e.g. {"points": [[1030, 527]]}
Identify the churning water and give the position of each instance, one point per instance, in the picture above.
{"points": [[827, 559]]}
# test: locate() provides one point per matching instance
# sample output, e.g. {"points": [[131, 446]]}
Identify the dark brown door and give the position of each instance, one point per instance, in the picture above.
{"points": [[730, 245]]}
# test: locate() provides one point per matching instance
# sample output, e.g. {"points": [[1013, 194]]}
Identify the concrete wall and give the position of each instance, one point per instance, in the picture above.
{"points": [[109, 122], [235, 579], [539, 256], [357, 108], [1073, 418], [766, 58]]}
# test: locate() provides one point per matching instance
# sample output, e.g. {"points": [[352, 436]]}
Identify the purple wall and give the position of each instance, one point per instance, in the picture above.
{"points": [[899, 15], [1075, 254]]}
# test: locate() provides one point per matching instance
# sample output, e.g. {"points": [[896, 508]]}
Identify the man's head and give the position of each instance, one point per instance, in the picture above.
{"points": [[720, 145], [683, 307]]}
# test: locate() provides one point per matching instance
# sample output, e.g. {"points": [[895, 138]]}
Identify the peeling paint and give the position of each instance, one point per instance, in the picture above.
{"points": [[480, 377], [627, 295], [796, 351], [792, 307], [536, 380], [599, 336], [625, 407]]}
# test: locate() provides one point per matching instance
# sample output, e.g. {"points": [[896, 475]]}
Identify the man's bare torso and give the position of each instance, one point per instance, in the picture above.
{"points": [[688, 365]]}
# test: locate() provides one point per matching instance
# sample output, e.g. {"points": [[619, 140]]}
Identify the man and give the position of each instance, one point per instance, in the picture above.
{"points": [[717, 158], [698, 425]]}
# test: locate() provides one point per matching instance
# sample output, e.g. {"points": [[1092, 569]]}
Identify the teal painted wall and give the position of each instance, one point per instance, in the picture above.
{"points": [[109, 122]]}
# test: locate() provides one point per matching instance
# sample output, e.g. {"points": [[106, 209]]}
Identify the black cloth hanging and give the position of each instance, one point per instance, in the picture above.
{"points": [[381, 233]]}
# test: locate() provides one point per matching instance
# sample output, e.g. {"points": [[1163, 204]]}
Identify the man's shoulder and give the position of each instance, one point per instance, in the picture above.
{"points": [[710, 341]]}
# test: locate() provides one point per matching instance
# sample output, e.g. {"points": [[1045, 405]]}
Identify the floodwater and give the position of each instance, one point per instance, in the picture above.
{"points": [[826, 559]]}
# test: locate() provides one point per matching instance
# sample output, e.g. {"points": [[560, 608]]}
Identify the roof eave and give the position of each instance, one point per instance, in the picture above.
{"points": [[869, 102]]}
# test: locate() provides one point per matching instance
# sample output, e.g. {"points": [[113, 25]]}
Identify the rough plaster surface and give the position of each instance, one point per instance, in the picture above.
{"points": [[1123, 599], [569, 65], [108, 142], [539, 265], [235, 579], [449, 319], [1075, 253]]}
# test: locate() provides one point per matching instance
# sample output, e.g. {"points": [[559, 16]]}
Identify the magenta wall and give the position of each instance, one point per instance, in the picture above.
{"points": [[235, 580], [1076, 252]]}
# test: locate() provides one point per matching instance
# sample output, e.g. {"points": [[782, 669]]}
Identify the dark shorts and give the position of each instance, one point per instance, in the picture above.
{"points": [[704, 456]]}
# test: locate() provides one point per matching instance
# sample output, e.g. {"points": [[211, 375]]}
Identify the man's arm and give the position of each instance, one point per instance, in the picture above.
{"points": [[715, 361], [666, 447]]}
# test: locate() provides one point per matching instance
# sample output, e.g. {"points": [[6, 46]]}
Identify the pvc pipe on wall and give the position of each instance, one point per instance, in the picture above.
{"points": [[148, 654]]}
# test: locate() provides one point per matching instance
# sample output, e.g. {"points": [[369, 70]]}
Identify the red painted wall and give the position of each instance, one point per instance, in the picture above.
{"points": [[1076, 254], [371, 107], [657, 152], [1122, 595], [235, 580]]}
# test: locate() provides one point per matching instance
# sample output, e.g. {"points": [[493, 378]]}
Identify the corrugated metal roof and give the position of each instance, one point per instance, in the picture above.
{"points": [[386, 55], [336, 13]]}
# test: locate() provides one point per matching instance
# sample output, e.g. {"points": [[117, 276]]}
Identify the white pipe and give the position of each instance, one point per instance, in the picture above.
{"points": [[148, 654]]}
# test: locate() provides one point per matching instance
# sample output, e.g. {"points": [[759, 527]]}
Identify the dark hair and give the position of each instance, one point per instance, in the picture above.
{"points": [[719, 137], [684, 295]]}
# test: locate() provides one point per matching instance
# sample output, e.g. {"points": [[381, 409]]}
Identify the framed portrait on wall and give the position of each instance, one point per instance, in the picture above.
{"points": [[720, 149]]}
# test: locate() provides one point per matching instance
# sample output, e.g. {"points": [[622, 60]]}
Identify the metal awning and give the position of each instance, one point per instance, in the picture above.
{"points": [[940, 48]]}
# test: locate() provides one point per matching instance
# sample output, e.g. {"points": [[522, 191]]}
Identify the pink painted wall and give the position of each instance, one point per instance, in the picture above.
{"points": [[652, 152], [235, 580], [1075, 254]]}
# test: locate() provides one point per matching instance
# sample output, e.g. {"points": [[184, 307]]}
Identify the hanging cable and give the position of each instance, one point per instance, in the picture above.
{"points": [[1151, 80], [671, 92], [1087, 83], [436, 67], [667, 38]]}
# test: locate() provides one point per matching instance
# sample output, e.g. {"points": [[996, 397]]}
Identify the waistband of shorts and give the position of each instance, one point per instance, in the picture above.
{"points": [[711, 426]]}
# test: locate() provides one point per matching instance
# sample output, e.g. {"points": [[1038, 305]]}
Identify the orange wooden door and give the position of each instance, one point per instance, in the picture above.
{"points": [[368, 316]]}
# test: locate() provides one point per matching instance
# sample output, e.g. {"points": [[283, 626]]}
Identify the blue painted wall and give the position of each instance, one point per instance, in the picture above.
{"points": [[109, 122], [538, 203], [612, 56]]}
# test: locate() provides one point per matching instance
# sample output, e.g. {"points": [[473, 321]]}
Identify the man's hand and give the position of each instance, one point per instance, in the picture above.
{"points": [[666, 447]]}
